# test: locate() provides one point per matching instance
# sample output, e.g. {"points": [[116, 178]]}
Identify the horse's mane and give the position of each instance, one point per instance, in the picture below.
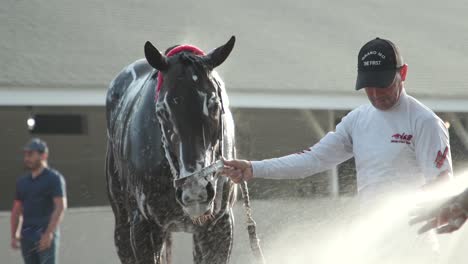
{"points": [[172, 52]]}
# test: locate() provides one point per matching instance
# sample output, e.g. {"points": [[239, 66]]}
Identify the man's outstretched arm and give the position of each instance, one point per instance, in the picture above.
{"points": [[334, 148]]}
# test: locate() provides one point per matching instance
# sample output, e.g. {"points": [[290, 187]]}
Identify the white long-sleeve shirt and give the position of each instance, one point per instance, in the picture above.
{"points": [[403, 147]]}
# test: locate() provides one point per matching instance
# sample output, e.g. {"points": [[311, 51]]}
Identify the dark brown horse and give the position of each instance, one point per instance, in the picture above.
{"points": [[155, 140]]}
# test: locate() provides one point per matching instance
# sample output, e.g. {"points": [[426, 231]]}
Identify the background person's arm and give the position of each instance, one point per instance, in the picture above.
{"points": [[15, 222], [60, 204]]}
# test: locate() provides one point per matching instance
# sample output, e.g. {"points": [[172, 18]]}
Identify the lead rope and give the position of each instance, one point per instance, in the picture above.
{"points": [[251, 226]]}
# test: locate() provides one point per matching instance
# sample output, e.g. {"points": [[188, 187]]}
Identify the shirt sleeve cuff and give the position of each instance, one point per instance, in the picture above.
{"points": [[258, 169]]}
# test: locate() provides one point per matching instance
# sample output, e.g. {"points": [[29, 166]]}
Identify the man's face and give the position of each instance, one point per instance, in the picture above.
{"points": [[385, 98], [32, 159]]}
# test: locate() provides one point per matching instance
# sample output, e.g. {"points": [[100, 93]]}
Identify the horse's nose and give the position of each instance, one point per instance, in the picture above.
{"points": [[188, 198]]}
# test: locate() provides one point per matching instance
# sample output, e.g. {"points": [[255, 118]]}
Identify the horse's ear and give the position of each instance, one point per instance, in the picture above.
{"points": [[219, 55], [155, 58]]}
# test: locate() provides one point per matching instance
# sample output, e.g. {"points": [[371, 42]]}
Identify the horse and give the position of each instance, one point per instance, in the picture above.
{"points": [[167, 118]]}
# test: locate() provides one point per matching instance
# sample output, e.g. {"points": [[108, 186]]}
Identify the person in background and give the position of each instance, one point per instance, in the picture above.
{"points": [[38, 207]]}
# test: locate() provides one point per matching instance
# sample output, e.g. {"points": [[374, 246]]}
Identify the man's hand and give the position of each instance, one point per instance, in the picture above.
{"points": [[15, 243], [46, 241], [238, 170], [444, 217]]}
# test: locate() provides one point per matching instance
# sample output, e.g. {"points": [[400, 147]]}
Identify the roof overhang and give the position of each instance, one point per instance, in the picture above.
{"points": [[28, 96]]}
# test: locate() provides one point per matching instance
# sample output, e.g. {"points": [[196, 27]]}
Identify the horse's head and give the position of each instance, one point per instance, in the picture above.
{"points": [[189, 108]]}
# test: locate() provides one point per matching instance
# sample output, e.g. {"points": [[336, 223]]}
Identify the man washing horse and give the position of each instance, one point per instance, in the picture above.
{"points": [[398, 143]]}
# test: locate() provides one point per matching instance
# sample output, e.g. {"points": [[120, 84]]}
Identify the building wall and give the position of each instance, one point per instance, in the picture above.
{"points": [[260, 134], [80, 158]]}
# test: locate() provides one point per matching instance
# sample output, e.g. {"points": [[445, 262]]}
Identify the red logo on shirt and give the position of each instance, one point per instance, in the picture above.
{"points": [[401, 138], [441, 157]]}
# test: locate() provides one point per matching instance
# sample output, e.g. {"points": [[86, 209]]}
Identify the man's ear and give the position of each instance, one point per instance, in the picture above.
{"points": [[403, 71], [44, 156]]}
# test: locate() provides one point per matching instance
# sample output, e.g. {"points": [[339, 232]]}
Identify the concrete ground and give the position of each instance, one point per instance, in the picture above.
{"points": [[291, 231]]}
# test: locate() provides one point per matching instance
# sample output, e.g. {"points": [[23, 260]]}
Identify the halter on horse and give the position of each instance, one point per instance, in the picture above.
{"points": [[190, 111]]}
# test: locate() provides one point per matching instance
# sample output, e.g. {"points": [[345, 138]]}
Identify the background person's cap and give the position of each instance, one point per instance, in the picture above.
{"points": [[378, 61], [36, 144]]}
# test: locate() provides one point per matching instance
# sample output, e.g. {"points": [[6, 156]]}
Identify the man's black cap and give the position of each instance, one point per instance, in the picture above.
{"points": [[36, 144], [378, 61]]}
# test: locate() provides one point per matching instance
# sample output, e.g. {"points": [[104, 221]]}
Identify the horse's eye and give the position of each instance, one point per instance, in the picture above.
{"points": [[214, 105]]}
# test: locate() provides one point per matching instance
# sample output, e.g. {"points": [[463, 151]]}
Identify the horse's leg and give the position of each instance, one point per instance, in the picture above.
{"points": [[122, 239], [167, 255], [116, 198], [141, 239], [160, 240], [213, 243], [197, 251]]}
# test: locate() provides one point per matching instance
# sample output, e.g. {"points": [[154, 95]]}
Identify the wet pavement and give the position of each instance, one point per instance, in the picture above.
{"points": [[291, 231]]}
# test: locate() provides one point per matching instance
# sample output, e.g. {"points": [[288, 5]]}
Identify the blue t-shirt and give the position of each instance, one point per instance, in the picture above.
{"points": [[37, 198]]}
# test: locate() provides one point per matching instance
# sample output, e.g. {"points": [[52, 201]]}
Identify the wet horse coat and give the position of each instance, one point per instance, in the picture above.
{"points": [[148, 150]]}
